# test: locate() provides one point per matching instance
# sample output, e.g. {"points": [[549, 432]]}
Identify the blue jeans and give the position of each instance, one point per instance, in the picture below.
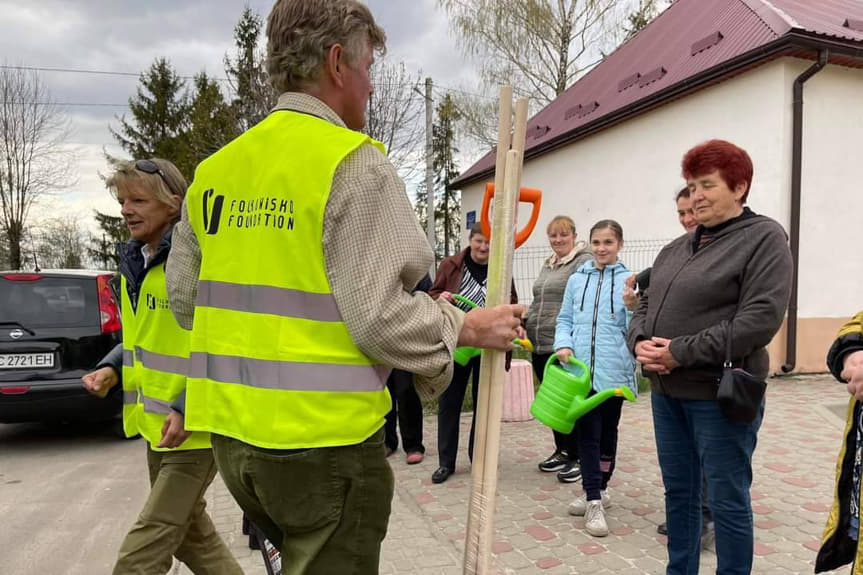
{"points": [[691, 436]]}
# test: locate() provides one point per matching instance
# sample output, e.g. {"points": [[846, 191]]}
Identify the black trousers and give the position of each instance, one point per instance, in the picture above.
{"points": [[449, 413], [562, 442], [597, 444], [407, 410]]}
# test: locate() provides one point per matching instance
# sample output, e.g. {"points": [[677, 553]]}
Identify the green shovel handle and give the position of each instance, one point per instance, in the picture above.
{"points": [[464, 300], [524, 344]]}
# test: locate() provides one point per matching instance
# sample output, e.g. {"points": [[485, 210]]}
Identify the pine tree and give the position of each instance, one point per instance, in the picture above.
{"points": [[103, 250], [246, 72], [160, 113], [211, 121], [448, 210], [420, 209]]}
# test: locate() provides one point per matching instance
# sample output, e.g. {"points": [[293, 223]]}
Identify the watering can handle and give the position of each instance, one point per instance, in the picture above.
{"points": [[529, 195], [571, 361]]}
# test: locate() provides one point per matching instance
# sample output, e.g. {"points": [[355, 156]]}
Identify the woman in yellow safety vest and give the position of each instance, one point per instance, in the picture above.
{"points": [[151, 366]]}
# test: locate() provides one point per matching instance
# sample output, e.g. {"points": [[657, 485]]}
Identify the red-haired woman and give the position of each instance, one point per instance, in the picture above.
{"points": [[730, 278]]}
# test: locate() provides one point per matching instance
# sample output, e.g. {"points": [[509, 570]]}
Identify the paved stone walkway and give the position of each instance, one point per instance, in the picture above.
{"points": [[792, 491]]}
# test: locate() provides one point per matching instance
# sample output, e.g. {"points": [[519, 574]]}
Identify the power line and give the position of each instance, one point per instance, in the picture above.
{"points": [[90, 104], [68, 104], [139, 74], [97, 72]]}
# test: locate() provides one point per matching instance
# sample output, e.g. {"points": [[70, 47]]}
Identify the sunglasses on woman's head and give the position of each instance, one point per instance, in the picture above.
{"points": [[150, 167]]}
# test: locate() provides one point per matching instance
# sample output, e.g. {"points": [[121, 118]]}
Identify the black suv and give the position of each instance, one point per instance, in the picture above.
{"points": [[55, 326]]}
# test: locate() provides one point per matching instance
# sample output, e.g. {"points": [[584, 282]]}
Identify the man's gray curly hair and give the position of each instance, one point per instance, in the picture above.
{"points": [[299, 33]]}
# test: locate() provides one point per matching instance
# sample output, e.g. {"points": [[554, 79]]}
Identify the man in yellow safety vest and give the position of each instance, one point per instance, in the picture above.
{"points": [[293, 266]]}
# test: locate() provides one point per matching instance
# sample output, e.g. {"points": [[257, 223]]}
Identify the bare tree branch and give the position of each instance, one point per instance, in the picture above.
{"points": [[537, 46], [34, 161], [394, 115], [61, 243]]}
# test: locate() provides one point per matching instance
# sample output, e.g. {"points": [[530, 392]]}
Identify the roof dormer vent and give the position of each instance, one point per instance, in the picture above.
{"points": [[706, 42]]}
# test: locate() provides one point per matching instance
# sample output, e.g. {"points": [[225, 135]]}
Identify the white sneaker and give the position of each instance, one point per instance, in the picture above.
{"points": [[579, 506], [595, 523]]}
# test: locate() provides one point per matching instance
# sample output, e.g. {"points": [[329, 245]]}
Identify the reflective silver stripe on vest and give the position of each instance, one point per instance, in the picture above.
{"points": [[267, 299], [128, 358], [161, 362], [151, 404], [287, 375]]}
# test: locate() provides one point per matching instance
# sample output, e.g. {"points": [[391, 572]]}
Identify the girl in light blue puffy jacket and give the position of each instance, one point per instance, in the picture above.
{"points": [[592, 326]]}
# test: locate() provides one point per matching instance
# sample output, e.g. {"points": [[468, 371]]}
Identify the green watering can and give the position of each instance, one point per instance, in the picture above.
{"points": [[463, 355], [563, 396]]}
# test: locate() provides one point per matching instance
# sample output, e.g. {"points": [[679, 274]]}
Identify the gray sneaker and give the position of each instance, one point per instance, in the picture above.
{"points": [[595, 519], [579, 506]]}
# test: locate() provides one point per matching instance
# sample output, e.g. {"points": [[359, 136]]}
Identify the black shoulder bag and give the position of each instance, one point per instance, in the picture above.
{"points": [[740, 393]]}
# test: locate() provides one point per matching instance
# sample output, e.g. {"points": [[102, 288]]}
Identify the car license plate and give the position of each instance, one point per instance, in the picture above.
{"points": [[26, 360]]}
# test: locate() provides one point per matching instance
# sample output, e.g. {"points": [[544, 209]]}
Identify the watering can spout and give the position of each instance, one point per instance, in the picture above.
{"points": [[583, 405]]}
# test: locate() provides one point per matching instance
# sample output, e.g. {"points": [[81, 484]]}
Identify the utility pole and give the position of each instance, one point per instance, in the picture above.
{"points": [[430, 223]]}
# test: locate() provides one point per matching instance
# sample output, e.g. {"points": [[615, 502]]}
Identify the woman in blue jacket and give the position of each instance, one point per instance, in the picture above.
{"points": [[592, 326]]}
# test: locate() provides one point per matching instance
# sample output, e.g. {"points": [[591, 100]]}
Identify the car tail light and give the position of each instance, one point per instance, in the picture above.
{"points": [[108, 310], [17, 390], [22, 277]]}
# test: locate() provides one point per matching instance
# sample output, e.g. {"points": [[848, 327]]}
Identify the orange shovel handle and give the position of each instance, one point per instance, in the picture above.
{"points": [[527, 195]]}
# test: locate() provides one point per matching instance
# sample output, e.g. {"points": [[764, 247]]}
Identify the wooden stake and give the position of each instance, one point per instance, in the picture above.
{"points": [[480, 523]]}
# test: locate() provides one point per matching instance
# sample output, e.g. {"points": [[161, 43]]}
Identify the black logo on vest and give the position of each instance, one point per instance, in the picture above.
{"points": [[212, 212], [261, 212], [154, 303]]}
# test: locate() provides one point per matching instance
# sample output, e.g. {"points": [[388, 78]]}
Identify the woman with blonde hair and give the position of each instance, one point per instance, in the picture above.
{"points": [[568, 255], [150, 365]]}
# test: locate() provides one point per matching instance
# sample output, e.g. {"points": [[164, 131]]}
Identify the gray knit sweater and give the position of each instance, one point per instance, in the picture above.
{"points": [[743, 276], [548, 295]]}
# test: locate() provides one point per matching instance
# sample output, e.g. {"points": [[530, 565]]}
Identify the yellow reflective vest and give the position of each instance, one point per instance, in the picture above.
{"points": [[271, 360], [838, 547], [155, 357]]}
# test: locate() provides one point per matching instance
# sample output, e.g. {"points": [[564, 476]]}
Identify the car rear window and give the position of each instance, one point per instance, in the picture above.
{"points": [[49, 302]]}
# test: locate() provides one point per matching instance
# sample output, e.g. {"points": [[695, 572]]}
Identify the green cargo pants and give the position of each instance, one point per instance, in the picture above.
{"points": [[325, 509], [174, 521]]}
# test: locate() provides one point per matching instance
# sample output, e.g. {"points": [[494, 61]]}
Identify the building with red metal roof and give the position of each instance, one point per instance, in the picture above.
{"points": [[611, 144]]}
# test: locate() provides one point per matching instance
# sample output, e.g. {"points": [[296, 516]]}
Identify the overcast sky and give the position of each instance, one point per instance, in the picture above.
{"points": [[126, 36]]}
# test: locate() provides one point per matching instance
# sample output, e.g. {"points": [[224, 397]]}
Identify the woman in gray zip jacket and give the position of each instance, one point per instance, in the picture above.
{"points": [[548, 290]]}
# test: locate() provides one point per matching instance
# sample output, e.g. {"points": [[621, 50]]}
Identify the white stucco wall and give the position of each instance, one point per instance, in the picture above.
{"points": [[631, 172], [831, 238]]}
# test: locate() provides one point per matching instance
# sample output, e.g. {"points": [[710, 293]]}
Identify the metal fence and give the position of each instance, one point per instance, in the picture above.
{"points": [[527, 261]]}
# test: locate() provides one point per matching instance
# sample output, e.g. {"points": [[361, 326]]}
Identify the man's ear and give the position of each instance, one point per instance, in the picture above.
{"points": [[335, 63]]}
